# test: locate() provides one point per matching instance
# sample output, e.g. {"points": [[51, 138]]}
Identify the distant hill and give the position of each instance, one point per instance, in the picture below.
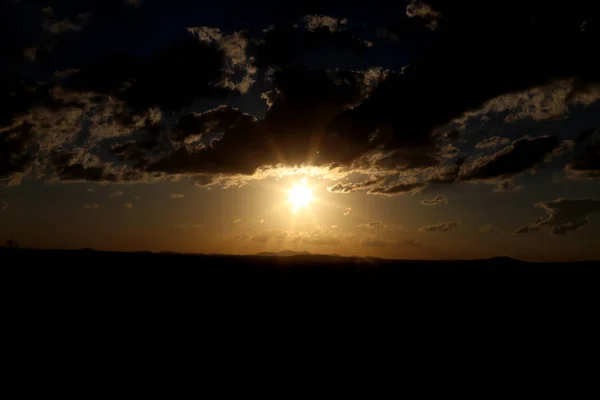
{"points": [[284, 253]]}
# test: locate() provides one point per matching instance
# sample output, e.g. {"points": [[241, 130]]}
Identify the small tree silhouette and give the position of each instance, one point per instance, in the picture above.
{"points": [[11, 244]]}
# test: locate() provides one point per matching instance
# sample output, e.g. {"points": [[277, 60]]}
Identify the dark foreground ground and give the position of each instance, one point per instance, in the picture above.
{"points": [[185, 275], [102, 305]]}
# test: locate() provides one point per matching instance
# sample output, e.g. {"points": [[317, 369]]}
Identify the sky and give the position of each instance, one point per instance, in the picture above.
{"points": [[405, 129]]}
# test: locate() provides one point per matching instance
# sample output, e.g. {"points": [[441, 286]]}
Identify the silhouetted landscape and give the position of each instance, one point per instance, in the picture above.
{"points": [[281, 263]]}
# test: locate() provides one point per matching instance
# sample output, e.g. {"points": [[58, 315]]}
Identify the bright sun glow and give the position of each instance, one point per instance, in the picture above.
{"points": [[300, 196]]}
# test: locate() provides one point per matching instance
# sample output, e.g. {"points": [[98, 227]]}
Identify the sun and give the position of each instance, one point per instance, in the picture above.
{"points": [[300, 196]]}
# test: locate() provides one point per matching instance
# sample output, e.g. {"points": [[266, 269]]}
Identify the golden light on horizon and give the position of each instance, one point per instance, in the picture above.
{"points": [[300, 196]]}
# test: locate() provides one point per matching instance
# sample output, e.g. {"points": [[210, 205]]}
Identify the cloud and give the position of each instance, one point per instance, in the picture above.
{"points": [[398, 189], [440, 227], [177, 196], [563, 216], [3, 206], [492, 142], [548, 101], [237, 221], [234, 48], [260, 239], [423, 10], [92, 206], [30, 53], [441, 199], [522, 155], [285, 44], [15, 160], [118, 193], [507, 186], [354, 186], [449, 151], [314, 22], [491, 228], [128, 205], [139, 111], [321, 238], [378, 225], [191, 127], [172, 78], [586, 164], [56, 27], [347, 211], [133, 3], [308, 102], [277, 235]]}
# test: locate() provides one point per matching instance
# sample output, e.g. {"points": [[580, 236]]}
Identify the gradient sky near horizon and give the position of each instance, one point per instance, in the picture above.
{"points": [[422, 129]]}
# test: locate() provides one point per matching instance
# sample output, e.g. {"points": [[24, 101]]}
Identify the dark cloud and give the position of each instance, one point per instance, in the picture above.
{"points": [[57, 26], [204, 180], [353, 186], [449, 151], [423, 10], [584, 135], [526, 229], [130, 112], [507, 186], [77, 165], [412, 158], [293, 132], [173, 78], [234, 47], [563, 216], [92, 206], [586, 164], [133, 3], [441, 199], [285, 44], [440, 227], [405, 109], [3, 206], [398, 189], [218, 120], [315, 22], [521, 155], [15, 158], [491, 142]]}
